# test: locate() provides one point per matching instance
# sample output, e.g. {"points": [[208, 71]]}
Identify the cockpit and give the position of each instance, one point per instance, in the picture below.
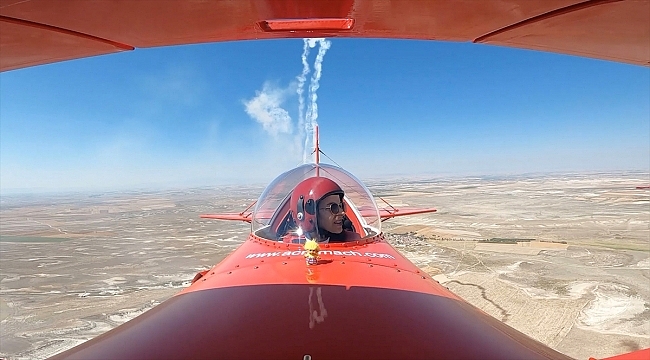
{"points": [[276, 215]]}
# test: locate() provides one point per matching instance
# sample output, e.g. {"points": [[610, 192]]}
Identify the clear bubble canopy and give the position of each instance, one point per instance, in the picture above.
{"points": [[273, 205]]}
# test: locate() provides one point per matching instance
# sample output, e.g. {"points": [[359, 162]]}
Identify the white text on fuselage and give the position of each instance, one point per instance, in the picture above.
{"points": [[321, 253]]}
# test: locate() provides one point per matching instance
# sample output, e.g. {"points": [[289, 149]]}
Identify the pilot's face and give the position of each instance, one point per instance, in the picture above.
{"points": [[327, 219]]}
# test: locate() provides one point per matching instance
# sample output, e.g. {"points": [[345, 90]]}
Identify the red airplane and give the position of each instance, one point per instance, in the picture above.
{"points": [[357, 298], [298, 289], [353, 296]]}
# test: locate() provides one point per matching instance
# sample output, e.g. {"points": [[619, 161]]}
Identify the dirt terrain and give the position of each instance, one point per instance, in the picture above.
{"points": [[564, 259]]}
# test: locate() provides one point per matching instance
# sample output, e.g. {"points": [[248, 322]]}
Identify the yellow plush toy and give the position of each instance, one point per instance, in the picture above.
{"points": [[311, 252]]}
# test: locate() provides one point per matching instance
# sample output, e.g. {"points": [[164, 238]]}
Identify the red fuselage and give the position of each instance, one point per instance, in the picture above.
{"points": [[362, 300]]}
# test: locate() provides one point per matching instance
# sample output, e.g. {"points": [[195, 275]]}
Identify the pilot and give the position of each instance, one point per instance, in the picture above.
{"points": [[319, 211]]}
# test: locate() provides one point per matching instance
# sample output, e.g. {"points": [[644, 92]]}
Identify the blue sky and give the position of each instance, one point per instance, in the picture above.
{"points": [[177, 116]]}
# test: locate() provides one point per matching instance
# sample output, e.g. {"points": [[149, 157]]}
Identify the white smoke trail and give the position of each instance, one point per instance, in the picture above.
{"points": [[311, 114], [266, 107], [300, 90]]}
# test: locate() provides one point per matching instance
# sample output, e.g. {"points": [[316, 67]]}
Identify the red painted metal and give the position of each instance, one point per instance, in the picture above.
{"points": [[283, 263], [643, 354], [317, 147], [393, 212], [240, 217], [55, 29], [323, 321], [611, 30], [306, 25], [363, 300]]}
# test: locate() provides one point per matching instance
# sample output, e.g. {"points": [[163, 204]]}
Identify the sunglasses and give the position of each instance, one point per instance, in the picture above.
{"points": [[334, 208]]}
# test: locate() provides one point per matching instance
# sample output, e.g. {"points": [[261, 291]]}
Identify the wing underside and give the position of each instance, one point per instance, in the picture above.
{"points": [[43, 31]]}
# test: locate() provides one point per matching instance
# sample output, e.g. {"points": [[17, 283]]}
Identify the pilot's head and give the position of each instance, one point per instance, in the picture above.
{"points": [[330, 213], [317, 203]]}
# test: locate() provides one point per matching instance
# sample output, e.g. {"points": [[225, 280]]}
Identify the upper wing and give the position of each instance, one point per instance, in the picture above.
{"points": [[44, 31]]}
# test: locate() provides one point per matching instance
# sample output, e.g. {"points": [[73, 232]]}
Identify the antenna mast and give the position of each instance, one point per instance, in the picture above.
{"points": [[316, 151]]}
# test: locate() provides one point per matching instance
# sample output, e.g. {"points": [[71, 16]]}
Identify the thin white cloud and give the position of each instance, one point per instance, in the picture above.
{"points": [[177, 85], [266, 109]]}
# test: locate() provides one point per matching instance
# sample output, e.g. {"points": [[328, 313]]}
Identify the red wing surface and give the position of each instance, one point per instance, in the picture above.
{"points": [[44, 31]]}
